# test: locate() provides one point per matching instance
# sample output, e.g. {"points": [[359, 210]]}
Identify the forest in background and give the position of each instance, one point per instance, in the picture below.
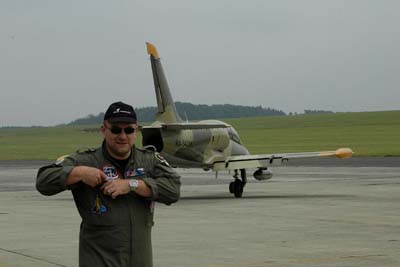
{"points": [[189, 111]]}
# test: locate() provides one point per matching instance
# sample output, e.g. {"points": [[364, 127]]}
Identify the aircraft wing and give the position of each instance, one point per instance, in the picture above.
{"points": [[266, 160], [187, 126]]}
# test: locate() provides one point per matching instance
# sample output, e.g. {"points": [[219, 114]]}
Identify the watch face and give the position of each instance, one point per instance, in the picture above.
{"points": [[133, 184]]}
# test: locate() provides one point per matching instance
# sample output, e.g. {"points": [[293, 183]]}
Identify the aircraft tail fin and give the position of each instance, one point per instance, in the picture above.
{"points": [[165, 104]]}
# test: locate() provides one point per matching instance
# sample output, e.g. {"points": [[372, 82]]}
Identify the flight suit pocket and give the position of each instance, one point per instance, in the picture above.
{"points": [[110, 241]]}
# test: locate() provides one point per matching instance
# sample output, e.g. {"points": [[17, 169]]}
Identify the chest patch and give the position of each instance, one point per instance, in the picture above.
{"points": [[111, 172], [98, 206], [131, 172]]}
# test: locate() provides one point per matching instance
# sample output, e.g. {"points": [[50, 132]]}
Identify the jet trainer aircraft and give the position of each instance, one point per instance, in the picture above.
{"points": [[208, 144]]}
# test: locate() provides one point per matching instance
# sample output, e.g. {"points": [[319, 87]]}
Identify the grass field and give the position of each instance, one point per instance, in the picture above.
{"points": [[367, 133]]}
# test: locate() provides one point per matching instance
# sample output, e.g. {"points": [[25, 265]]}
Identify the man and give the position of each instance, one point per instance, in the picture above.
{"points": [[114, 188]]}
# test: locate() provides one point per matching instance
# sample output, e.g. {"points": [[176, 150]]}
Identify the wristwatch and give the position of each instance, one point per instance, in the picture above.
{"points": [[133, 184]]}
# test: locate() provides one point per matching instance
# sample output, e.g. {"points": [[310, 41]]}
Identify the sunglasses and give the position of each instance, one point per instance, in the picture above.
{"points": [[117, 130]]}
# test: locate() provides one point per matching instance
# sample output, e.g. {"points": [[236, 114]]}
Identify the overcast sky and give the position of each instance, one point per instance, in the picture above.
{"points": [[62, 60]]}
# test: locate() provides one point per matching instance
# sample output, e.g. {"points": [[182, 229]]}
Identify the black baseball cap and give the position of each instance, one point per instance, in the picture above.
{"points": [[120, 112]]}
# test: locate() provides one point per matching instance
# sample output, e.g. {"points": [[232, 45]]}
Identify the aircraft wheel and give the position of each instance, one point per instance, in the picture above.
{"points": [[238, 188], [232, 187]]}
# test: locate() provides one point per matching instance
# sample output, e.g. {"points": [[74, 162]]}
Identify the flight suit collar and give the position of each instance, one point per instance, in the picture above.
{"points": [[113, 161]]}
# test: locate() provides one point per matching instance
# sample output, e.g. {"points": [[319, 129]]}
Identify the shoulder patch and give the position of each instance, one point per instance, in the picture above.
{"points": [[85, 150], [161, 159], [60, 159]]}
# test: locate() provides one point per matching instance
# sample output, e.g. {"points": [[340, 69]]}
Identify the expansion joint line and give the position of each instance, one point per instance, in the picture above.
{"points": [[32, 257]]}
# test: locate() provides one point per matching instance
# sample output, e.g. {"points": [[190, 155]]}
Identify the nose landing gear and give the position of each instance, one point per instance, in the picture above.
{"points": [[236, 187]]}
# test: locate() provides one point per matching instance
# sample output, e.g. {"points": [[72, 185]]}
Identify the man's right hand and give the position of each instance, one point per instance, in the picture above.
{"points": [[88, 175]]}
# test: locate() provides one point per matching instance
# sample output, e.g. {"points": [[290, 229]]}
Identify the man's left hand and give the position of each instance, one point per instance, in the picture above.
{"points": [[116, 187]]}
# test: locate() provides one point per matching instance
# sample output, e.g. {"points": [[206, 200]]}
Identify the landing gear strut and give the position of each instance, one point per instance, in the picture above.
{"points": [[236, 187]]}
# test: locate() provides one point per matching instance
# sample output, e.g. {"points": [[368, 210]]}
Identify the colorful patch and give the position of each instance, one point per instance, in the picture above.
{"points": [[134, 172], [161, 159], [111, 172], [139, 172], [98, 207], [130, 172]]}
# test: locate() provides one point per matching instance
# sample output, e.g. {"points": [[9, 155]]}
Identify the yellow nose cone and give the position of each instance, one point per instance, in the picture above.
{"points": [[152, 50], [343, 153]]}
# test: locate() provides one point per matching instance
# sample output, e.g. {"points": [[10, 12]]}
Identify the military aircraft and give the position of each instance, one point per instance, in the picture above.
{"points": [[208, 144]]}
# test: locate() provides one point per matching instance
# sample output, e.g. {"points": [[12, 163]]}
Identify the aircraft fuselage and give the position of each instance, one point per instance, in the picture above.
{"points": [[196, 147]]}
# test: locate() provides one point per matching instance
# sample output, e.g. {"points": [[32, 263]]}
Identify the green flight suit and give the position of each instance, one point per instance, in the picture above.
{"points": [[114, 232]]}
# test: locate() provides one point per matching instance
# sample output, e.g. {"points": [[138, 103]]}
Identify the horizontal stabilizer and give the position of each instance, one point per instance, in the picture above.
{"points": [[187, 126], [266, 160]]}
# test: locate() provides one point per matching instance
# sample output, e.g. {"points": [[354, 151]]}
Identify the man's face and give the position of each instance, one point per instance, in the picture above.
{"points": [[119, 138]]}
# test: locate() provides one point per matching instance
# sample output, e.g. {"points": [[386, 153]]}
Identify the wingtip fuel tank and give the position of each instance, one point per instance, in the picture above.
{"points": [[343, 153]]}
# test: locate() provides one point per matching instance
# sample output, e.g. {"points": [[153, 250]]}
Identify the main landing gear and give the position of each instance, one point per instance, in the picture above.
{"points": [[236, 187]]}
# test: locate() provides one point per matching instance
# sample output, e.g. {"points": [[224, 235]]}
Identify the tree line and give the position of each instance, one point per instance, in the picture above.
{"points": [[316, 111], [188, 111]]}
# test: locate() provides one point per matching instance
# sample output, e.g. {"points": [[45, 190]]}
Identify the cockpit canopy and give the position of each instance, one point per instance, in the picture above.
{"points": [[233, 135]]}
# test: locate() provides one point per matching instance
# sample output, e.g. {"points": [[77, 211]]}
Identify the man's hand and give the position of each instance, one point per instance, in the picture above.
{"points": [[88, 175], [116, 187]]}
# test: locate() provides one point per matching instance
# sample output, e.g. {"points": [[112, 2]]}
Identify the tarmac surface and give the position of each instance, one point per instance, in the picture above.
{"points": [[340, 214]]}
